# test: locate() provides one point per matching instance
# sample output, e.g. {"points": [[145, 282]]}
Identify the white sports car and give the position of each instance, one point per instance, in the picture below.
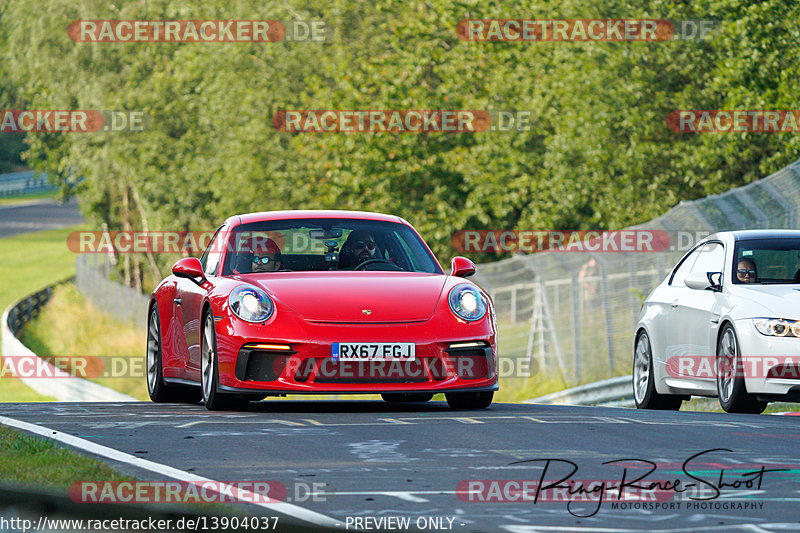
{"points": [[725, 323]]}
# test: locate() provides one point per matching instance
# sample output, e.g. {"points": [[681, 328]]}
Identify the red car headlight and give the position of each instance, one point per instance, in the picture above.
{"points": [[467, 302], [251, 304]]}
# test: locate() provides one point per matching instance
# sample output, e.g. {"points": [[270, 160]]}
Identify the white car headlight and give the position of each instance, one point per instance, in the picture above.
{"points": [[250, 303], [777, 327], [467, 302]]}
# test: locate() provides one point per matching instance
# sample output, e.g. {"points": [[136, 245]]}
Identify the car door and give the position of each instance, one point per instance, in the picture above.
{"points": [[189, 302], [698, 316], [672, 334]]}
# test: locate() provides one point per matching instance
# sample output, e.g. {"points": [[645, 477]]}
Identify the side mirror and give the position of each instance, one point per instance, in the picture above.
{"points": [[461, 267], [189, 267], [704, 280], [715, 278]]}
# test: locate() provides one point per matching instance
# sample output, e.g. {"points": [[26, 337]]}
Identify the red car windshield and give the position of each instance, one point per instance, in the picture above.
{"points": [[326, 245]]}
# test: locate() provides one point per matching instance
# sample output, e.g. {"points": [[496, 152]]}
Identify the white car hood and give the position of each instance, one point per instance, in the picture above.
{"points": [[768, 301]]}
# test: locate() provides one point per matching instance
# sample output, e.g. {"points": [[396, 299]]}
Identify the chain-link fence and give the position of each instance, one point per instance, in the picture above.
{"points": [[572, 314], [92, 278]]}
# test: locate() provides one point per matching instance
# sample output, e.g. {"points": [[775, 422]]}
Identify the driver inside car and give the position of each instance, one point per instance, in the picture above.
{"points": [[746, 271], [359, 247]]}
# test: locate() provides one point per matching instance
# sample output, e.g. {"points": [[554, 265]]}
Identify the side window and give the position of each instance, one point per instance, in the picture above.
{"points": [[683, 269], [211, 256], [711, 258]]}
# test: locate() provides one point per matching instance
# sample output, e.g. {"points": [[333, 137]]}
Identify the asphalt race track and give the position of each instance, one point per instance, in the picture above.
{"points": [[38, 215], [349, 459]]}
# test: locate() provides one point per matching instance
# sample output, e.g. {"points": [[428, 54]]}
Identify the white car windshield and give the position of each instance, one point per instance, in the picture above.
{"points": [[767, 261]]}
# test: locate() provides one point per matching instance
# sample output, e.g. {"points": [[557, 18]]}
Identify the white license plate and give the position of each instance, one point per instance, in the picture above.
{"points": [[372, 351]]}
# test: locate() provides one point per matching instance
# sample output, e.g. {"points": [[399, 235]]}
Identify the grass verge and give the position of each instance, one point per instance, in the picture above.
{"points": [[70, 326], [23, 198], [29, 262], [36, 462], [711, 405]]}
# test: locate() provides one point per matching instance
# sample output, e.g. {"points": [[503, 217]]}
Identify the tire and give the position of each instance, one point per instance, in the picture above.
{"points": [[731, 390], [407, 397], [209, 372], [644, 387], [469, 400], [159, 391]]}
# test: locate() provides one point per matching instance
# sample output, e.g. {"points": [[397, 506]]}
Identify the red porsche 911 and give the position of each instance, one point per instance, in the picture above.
{"points": [[316, 302]]}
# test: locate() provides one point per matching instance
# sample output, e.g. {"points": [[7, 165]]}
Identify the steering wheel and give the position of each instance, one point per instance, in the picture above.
{"points": [[373, 261]]}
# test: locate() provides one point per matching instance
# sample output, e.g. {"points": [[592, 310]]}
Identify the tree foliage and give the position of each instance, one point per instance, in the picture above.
{"points": [[599, 154]]}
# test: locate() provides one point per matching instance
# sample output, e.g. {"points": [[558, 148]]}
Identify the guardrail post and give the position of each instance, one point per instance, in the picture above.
{"points": [[606, 311], [633, 285], [514, 305], [576, 319]]}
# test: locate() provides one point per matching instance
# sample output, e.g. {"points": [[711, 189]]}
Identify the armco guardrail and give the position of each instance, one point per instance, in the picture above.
{"points": [[27, 182], [614, 392], [63, 386]]}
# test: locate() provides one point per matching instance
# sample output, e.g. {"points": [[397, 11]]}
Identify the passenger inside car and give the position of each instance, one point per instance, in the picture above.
{"points": [[258, 255]]}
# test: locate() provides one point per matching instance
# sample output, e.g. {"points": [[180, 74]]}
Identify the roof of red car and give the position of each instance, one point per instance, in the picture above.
{"points": [[285, 215]]}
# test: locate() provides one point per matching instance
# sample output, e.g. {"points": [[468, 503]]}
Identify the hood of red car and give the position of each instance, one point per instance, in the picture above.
{"points": [[355, 296]]}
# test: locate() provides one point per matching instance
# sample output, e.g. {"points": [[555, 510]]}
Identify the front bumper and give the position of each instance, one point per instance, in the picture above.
{"points": [[771, 365], [298, 358]]}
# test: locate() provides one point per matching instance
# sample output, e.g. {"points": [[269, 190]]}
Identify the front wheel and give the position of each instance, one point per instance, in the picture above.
{"points": [[731, 390], [644, 387], [159, 391], [469, 400], [209, 372]]}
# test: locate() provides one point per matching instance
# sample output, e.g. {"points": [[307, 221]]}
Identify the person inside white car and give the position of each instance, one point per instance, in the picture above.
{"points": [[746, 271]]}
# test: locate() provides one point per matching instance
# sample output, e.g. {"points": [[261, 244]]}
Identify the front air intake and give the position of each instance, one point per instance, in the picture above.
{"points": [[262, 362]]}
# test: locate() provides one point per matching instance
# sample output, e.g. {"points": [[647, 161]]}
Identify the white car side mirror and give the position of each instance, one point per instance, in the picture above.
{"points": [[701, 281]]}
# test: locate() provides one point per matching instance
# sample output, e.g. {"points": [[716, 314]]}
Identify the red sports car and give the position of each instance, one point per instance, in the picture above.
{"points": [[340, 302]]}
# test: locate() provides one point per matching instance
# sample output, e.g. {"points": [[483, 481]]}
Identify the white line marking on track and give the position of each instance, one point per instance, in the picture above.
{"points": [[190, 424], [396, 421], [407, 496], [760, 528], [288, 509], [467, 420]]}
